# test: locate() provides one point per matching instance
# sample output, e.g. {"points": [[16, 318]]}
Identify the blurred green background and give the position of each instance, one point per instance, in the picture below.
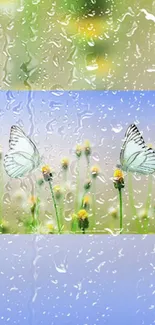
{"points": [[77, 44]]}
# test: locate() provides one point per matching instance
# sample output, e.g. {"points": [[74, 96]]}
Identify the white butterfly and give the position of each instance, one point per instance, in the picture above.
{"points": [[135, 156], [23, 156]]}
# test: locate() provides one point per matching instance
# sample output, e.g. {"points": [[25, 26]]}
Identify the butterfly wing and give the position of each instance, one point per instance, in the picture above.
{"points": [[19, 140], [135, 156], [23, 155]]}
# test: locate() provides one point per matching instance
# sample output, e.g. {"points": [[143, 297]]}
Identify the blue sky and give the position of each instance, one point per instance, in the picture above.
{"points": [[57, 120]]}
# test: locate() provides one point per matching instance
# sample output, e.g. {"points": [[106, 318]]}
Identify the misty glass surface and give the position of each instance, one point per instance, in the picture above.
{"points": [[89, 280], [76, 44]]}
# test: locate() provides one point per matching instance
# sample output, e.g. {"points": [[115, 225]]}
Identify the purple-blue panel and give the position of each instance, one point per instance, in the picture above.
{"points": [[82, 280]]}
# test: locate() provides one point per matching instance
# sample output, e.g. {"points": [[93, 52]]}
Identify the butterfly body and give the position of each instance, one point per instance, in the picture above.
{"points": [[23, 155], [135, 155]]}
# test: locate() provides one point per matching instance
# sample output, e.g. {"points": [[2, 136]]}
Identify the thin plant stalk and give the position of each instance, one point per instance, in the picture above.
{"points": [[32, 224], [55, 207], [77, 185], [84, 194], [65, 177], [121, 210], [62, 211], [94, 202], [36, 208], [1, 189], [88, 168], [145, 225], [148, 202], [37, 211], [131, 200], [74, 225], [35, 214], [62, 207], [83, 230]]}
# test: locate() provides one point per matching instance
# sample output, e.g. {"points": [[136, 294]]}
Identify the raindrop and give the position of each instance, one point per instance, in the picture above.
{"points": [[61, 268], [117, 129], [95, 156]]}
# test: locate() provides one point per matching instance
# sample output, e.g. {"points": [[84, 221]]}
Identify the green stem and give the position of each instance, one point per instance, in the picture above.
{"points": [[88, 168], [35, 190], [94, 202], [77, 186], [85, 192], [33, 213], [145, 225], [74, 225], [131, 199], [1, 188], [65, 173], [37, 210], [62, 211], [83, 230], [62, 207], [55, 206], [121, 213], [148, 201]]}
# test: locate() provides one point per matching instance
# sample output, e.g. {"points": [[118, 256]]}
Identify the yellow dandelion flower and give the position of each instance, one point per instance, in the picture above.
{"points": [[86, 199], [118, 179], [118, 174], [99, 64], [3, 223], [82, 214], [58, 191], [87, 148], [103, 66], [33, 200], [144, 214], [78, 150], [95, 171], [113, 212], [19, 197], [89, 27], [87, 184], [65, 163], [57, 188], [47, 173], [50, 226], [86, 202], [83, 222], [4, 226], [46, 169]]}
